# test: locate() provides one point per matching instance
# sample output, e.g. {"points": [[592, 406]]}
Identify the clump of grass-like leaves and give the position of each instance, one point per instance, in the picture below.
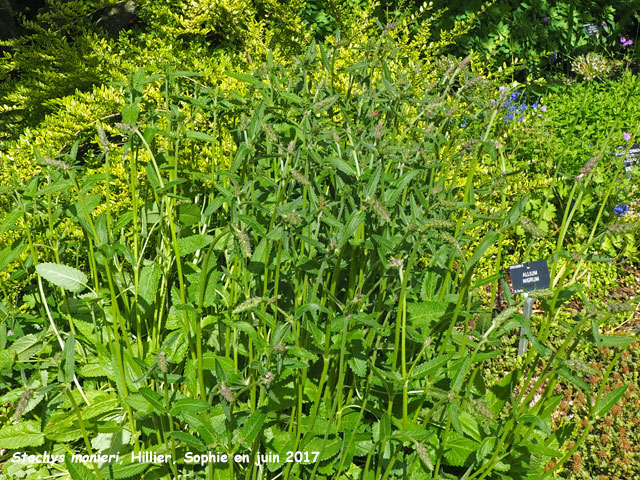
{"points": [[316, 295]]}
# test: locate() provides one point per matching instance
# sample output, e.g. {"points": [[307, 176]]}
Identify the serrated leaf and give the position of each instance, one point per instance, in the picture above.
{"points": [[25, 347], [458, 449], [116, 471], [154, 398], [424, 313], [358, 366], [565, 373], [610, 399], [78, 471], [190, 440], [252, 427], [514, 214], [148, 286], [6, 360], [615, 341], [537, 421], [328, 448], [243, 77], [10, 220], [341, 165], [23, 434], [63, 276], [200, 136], [189, 405], [192, 244], [139, 403]]}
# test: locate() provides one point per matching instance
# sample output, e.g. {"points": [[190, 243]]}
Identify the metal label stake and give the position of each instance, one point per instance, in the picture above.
{"points": [[527, 313], [526, 277]]}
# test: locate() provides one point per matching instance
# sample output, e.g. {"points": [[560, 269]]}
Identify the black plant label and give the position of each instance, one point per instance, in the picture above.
{"points": [[529, 276], [632, 156], [591, 29]]}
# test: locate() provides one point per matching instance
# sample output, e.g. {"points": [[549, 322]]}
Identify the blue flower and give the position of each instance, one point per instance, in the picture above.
{"points": [[523, 107], [513, 107], [535, 105], [521, 119], [515, 95], [553, 57], [621, 209]]}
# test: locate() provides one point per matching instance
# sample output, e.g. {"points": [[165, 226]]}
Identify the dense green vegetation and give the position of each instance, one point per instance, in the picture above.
{"points": [[253, 228]]}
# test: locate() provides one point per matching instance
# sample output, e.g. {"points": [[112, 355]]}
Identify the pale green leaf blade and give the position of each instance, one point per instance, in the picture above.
{"points": [[63, 276]]}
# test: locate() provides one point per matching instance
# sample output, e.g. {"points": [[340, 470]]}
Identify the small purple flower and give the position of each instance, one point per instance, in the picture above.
{"points": [[553, 57], [626, 42], [534, 105], [515, 95], [545, 19], [626, 136], [543, 108], [501, 87], [621, 209]]}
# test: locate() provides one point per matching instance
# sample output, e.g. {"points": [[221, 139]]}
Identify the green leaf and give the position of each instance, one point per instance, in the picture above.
{"points": [[328, 448], [63, 276], [537, 421], [200, 136], [202, 426], [486, 447], [154, 398], [609, 400], [138, 403], [354, 222], [11, 220], [292, 97], [489, 240], [78, 471], [422, 314], [248, 79], [6, 360], [116, 471], [189, 405], [23, 434], [192, 244], [252, 427], [69, 358], [130, 114], [190, 440], [358, 366], [148, 286], [499, 394], [459, 449], [341, 165], [25, 347], [514, 214], [243, 151], [615, 341], [460, 374], [565, 373]]}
